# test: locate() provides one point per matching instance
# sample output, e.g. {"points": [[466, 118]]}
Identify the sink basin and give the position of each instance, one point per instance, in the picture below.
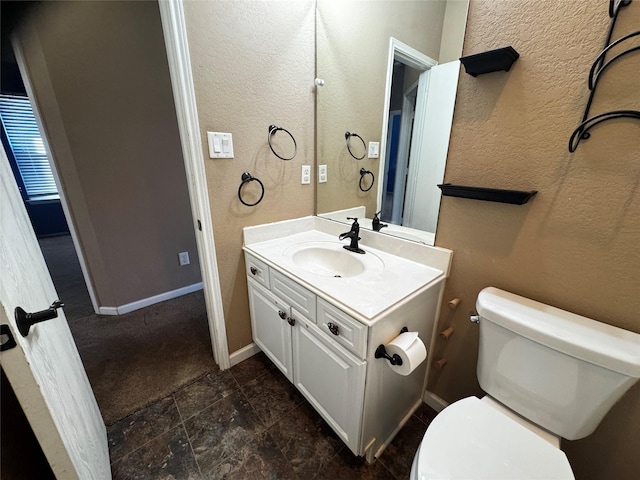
{"points": [[329, 259]]}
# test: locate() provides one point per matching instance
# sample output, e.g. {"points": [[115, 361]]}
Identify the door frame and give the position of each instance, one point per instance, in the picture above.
{"points": [[26, 80], [175, 37], [419, 61]]}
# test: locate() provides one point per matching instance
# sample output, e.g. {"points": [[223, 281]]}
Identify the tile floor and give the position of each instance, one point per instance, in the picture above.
{"points": [[248, 422]]}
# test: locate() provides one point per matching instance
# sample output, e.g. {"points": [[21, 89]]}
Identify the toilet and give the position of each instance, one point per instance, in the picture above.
{"points": [[548, 374]]}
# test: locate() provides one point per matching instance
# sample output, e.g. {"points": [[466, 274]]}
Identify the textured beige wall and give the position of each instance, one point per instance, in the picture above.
{"points": [[100, 73], [353, 48], [575, 245], [253, 65]]}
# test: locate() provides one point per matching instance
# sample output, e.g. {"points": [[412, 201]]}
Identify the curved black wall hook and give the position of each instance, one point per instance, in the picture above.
{"points": [[597, 69], [347, 136], [247, 178]]}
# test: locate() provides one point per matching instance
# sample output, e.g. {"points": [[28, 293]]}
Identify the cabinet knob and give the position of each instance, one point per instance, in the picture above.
{"points": [[292, 321], [253, 270], [333, 328], [282, 314]]}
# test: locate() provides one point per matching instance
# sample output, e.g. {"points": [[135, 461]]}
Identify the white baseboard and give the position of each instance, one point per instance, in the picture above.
{"points": [[107, 311], [434, 401], [145, 302], [244, 353]]}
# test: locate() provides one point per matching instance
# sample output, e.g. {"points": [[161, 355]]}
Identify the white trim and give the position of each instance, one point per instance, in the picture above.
{"points": [[244, 353], [145, 302], [390, 438], [26, 80], [175, 36], [434, 401], [414, 59]]}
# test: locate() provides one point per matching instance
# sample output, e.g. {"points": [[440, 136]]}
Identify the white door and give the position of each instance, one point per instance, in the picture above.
{"points": [[331, 379], [271, 330], [45, 369]]}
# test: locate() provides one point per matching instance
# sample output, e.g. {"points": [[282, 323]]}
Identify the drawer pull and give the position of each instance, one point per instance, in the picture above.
{"points": [[282, 314], [253, 270], [333, 328], [292, 321]]}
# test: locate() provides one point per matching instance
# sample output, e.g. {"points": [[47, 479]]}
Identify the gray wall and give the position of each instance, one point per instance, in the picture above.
{"points": [[100, 76]]}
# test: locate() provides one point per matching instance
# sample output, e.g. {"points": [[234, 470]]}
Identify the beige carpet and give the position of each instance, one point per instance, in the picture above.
{"points": [[135, 359]]}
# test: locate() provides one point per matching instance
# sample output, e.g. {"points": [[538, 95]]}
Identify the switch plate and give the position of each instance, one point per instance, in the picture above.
{"points": [[183, 258], [374, 149], [322, 174], [220, 145], [305, 178]]}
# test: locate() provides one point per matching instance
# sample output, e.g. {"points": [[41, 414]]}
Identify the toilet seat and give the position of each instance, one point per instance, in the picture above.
{"points": [[471, 440]]}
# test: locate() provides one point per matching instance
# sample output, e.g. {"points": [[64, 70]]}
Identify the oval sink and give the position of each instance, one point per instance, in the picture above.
{"points": [[331, 260]]}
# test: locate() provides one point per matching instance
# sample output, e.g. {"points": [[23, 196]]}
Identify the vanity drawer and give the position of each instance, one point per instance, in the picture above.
{"points": [[344, 329], [257, 270], [298, 297]]}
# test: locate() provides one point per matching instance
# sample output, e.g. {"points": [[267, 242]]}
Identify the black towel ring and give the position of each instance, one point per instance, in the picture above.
{"points": [[364, 172], [247, 178], [348, 135], [272, 130]]}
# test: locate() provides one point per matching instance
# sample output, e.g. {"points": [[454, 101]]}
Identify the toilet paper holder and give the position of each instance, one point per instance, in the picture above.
{"points": [[381, 352]]}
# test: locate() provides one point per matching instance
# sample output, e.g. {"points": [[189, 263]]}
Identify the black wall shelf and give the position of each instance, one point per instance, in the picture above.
{"points": [[515, 197], [491, 61]]}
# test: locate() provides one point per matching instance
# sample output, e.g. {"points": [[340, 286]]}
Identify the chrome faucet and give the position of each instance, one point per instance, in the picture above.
{"points": [[376, 224], [354, 235]]}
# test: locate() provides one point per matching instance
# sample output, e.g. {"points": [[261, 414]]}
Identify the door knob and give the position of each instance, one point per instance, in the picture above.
{"points": [[24, 320]]}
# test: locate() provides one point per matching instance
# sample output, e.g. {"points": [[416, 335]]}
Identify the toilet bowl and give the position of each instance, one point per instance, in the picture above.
{"points": [[471, 439], [548, 374]]}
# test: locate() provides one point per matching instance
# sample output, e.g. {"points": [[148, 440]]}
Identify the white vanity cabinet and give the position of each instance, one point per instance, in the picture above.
{"points": [[330, 377], [321, 322]]}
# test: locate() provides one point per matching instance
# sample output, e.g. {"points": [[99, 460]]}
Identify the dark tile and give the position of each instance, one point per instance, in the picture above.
{"points": [[251, 368], [168, 456], [425, 413], [306, 440], [204, 392], [398, 456], [272, 396], [137, 429], [222, 429], [347, 466], [260, 459]]}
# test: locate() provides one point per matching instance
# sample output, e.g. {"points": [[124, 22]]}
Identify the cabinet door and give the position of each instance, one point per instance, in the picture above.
{"points": [[331, 379], [271, 331]]}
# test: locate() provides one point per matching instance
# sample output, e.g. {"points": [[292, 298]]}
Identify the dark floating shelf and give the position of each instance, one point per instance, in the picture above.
{"points": [[516, 197], [491, 61]]}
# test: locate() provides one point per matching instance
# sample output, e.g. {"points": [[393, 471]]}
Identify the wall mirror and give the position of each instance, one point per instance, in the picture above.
{"points": [[390, 71]]}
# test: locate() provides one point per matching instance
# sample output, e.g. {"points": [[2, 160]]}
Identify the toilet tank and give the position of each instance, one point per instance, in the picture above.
{"points": [[560, 370]]}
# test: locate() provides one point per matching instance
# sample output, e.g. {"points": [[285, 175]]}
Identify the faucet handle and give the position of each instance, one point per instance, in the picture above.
{"points": [[355, 219]]}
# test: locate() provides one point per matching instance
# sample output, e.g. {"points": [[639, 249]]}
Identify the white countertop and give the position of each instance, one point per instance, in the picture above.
{"points": [[364, 296]]}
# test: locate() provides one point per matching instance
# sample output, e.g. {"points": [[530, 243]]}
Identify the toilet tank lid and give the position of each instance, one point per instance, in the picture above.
{"points": [[581, 337]]}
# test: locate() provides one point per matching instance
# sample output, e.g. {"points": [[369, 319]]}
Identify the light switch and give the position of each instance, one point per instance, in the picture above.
{"points": [[220, 145]]}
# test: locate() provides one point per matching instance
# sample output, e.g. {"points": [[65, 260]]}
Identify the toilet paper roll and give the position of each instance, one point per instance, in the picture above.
{"points": [[410, 349]]}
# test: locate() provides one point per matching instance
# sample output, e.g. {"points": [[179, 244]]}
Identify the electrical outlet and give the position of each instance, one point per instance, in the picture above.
{"points": [[306, 175], [183, 258], [322, 174], [374, 149]]}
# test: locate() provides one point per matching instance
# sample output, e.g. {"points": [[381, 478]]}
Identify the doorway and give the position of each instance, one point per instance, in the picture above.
{"points": [[125, 334]]}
